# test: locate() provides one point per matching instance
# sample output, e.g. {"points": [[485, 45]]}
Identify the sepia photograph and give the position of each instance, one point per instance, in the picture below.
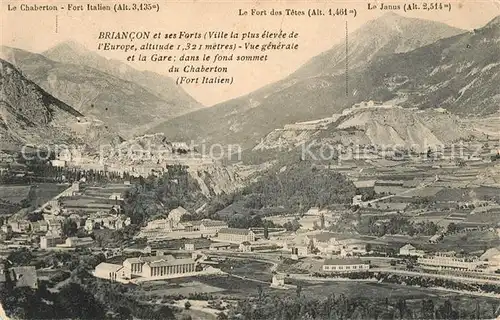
{"points": [[249, 160]]}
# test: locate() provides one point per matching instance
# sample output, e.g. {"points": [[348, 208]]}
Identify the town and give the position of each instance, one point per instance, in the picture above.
{"points": [[430, 218], [356, 176]]}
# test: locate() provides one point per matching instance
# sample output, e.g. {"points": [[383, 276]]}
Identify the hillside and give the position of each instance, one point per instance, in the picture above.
{"points": [[71, 52], [29, 115], [459, 74], [123, 105], [376, 125], [315, 90]]}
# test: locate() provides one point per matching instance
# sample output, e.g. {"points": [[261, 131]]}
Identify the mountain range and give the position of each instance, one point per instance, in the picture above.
{"points": [[412, 62], [31, 116], [128, 100]]}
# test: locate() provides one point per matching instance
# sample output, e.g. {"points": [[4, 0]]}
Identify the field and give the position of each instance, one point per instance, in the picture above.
{"points": [[14, 193], [472, 241], [36, 194], [166, 288], [231, 288], [248, 268]]}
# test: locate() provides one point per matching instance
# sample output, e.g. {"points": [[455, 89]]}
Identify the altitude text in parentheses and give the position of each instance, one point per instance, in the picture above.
{"points": [[120, 7]]}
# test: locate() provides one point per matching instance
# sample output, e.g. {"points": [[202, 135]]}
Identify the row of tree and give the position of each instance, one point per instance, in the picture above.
{"points": [[341, 307]]}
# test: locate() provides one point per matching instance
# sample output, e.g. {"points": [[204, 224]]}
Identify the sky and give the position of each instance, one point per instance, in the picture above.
{"points": [[39, 31]]}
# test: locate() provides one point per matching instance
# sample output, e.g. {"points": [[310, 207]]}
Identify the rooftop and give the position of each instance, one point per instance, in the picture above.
{"points": [[108, 267], [161, 263], [151, 259], [219, 244], [408, 247], [236, 231]]}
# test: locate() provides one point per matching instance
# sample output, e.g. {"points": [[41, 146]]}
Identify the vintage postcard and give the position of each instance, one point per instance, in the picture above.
{"points": [[251, 160]]}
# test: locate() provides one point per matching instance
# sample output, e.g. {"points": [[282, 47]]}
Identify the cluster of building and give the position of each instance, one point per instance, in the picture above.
{"points": [[104, 220], [58, 211], [173, 227]]}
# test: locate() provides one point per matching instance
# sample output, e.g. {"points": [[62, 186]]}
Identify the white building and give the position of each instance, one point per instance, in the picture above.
{"points": [[357, 200], [492, 259], [278, 280], [409, 250], [159, 267], [245, 246], [89, 224], [39, 226], [58, 163], [176, 214], [163, 224], [448, 261], [329, 242], [216, 246], [74, 242], [109, 271], [212, 226], [236, 235], [353, 249], [20, 226], [50, 241], [300, 251], [345, 265]]}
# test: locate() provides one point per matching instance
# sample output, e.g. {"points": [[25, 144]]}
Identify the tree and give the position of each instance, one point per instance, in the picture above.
{"points": [[446, 311], [266, 232], [260, 292], [322, 221], [402, 308], [69, 228], [427, 309], [298, 290], [187, 305], [75, 302], [222, 316], [452, 228], [368, 247]]}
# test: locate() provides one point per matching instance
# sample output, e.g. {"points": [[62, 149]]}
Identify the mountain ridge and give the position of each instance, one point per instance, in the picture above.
{"points": [[163, 86], [31, 116], [124, 105], [306, 94]]}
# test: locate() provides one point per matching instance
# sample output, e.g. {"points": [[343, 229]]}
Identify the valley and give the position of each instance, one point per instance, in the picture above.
{"points": [[122, 197]]}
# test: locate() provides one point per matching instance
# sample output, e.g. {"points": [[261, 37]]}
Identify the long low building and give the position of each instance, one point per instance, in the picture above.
{"points": [[345, 265], [235, 235], [146, 268], [448, 261]]}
